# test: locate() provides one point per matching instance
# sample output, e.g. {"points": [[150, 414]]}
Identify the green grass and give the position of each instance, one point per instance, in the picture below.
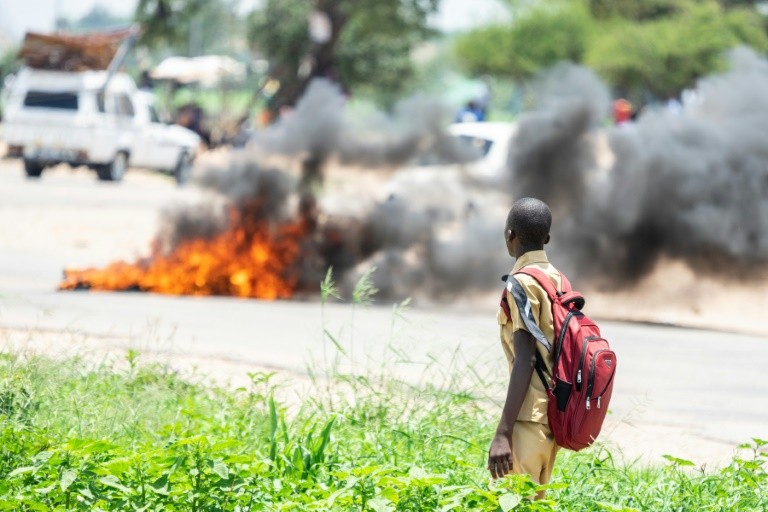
{"points": [[75, 436]]}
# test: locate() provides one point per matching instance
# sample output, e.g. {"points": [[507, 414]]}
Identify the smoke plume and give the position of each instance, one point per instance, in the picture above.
{"points": [[321, 126], [426, 232], [242, 185], [689, 185], [551, 152]]}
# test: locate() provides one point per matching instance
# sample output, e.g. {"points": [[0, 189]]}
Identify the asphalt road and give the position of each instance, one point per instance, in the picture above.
{"points": [[686, 392]]}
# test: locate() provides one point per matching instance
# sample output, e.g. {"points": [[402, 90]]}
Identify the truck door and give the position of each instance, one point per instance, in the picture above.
{"points": [[128, 131], [154, 144]]}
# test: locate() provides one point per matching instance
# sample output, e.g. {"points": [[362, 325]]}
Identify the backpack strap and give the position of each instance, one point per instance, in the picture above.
{"points": [[524, 307], [546, 283], [566, 296], [541, 370]]}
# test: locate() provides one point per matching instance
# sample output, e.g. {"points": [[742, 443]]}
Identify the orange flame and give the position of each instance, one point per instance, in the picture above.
{"points": [[251, 258]]}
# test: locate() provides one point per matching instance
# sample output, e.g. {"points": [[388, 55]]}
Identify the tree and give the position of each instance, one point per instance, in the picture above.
{"points": [[665, 55], [192, 27], [361, 44], [633, 9], [540, 36], [649, 46]]}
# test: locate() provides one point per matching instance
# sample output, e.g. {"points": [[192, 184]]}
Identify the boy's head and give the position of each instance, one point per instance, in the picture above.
{"points": [[527, 228]]}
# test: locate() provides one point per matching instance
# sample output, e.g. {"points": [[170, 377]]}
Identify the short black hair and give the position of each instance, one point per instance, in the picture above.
{"points": [[531, 220]]}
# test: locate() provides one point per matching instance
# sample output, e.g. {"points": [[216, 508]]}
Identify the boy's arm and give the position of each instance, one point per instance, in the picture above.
{"points": [[500, 453]]}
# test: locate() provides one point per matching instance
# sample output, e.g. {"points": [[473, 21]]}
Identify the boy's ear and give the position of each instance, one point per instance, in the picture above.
{"points": [[546, 240], [510, 235]]}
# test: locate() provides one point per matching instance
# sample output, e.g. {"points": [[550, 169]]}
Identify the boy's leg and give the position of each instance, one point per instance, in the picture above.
{"points": [[533, 451]]}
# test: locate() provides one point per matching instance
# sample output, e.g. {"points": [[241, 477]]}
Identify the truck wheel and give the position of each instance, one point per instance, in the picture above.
{"points": [[33, 168], [115, 170], [183, 170]]}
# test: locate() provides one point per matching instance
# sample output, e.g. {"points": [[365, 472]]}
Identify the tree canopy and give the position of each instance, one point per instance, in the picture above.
{"points": [[540, 36], [192, 27], [638, 46], [368, 46]]}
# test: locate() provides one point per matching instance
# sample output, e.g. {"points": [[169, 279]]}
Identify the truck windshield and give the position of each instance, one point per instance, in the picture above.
{"points": [[44, 99]]}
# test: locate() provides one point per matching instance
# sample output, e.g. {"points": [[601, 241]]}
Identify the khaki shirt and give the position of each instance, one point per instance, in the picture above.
{"points": [[534, 406]]}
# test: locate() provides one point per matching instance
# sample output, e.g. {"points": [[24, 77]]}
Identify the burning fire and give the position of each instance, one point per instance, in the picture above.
{"points": [[252, 258]]}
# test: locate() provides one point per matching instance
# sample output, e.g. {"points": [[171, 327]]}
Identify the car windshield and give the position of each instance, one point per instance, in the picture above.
{"points": [[479, 144], [465, 148], [45, 99]]}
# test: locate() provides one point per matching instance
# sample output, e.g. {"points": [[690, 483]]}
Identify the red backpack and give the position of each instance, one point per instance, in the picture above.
{"points": [[584, 364]]}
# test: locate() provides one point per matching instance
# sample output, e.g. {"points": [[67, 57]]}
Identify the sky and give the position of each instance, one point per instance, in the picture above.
{"points": [[19, 16]]}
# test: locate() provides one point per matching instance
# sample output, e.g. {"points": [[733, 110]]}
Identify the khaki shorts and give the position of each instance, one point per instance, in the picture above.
{"points": [[533, 450]]}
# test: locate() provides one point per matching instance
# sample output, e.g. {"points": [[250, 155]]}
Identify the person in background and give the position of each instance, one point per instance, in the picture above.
{"points": [[471, 113], [622, 111]]}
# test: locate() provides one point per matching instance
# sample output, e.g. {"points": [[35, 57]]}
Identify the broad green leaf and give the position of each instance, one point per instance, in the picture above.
{"points": [[43, 457], [160, 486], [21, 471], [67, 478], [391, 494], [220, 446], [509, 501], [221, 469], [238, 459], [191, 440], [45, 490], [677, 461], [112, 481], [379, 504]]}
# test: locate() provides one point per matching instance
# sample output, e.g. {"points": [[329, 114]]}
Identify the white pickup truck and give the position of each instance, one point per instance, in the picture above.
{"points": [[54, 117]]}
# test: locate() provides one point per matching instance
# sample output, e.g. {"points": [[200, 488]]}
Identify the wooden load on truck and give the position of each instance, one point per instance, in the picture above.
{"points": [[73, 52]]}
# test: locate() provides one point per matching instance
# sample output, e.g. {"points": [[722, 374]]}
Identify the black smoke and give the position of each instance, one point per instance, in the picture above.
{"points": [[321, 126], [552, 152], [241, 187], [690, 186], [425, 235]]}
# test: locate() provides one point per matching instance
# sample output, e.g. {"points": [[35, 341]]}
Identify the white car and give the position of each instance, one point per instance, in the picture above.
{"points": [[54, 117], [492, 140]]}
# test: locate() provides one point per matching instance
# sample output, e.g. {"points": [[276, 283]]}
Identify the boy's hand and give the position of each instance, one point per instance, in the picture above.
{"points": [[500, 456]]}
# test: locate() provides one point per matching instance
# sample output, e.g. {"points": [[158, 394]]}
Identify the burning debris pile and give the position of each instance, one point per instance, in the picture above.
{"points": [[251, 251], [273, 237]]}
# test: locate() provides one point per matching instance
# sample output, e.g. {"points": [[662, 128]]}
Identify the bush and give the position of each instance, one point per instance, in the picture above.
{"points": [[543, 35], [103, 439], [666, 55]]}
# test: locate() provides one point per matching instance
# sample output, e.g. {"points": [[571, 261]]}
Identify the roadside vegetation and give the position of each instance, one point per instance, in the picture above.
{"points": [[78, 436]]}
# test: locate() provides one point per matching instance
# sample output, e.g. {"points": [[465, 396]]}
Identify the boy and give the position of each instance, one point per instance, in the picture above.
{"points": [[523, 442]]}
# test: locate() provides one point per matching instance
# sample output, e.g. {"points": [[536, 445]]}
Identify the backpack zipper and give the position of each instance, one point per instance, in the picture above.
{"points": [[591, 383], [605, 388], [561, 336], [581, 360]]}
